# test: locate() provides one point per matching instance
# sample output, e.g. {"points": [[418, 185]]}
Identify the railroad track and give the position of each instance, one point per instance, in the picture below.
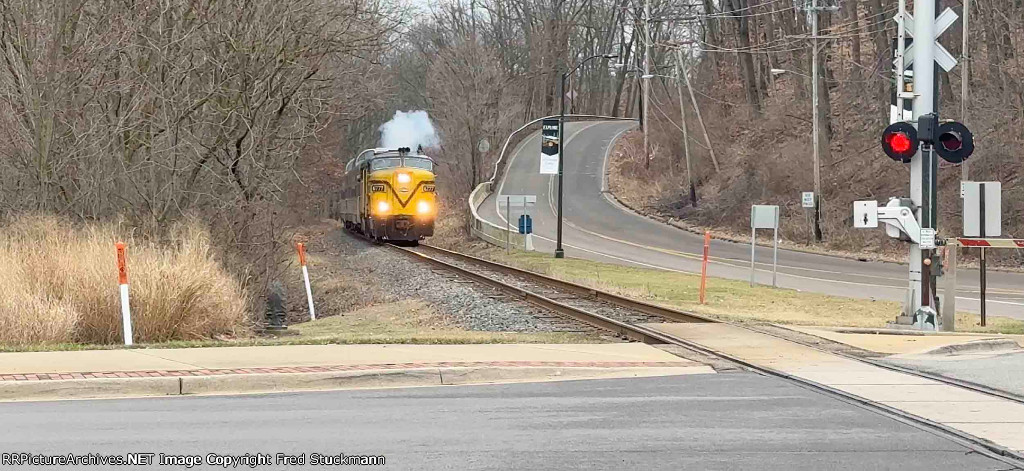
{"points": [[606, 311], [621, 316]]}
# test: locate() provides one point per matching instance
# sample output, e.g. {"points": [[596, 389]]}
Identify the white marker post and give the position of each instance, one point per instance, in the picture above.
{"points": [[305, 278], [122, 280]]}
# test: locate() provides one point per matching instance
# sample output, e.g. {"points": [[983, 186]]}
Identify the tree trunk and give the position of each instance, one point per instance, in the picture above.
{"points": [[745, 57], [853, 13], [711, 35]]}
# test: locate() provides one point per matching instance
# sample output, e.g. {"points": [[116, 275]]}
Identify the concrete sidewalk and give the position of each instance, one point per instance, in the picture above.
{"points": [[901, 342], [997, 420], [225, 370]]}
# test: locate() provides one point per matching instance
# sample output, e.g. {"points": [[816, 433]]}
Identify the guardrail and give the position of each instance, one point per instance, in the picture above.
{"points": [[487, 230], [494, 233]]}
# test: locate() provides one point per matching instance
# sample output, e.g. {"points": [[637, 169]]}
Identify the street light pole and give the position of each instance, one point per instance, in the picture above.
{"points": [[647, 82], [559, 251]]}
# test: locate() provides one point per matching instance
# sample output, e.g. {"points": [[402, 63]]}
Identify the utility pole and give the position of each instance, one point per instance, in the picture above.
{"points": [[682, 119], [696, 110], [647, 80], [964, 82], [815, 118]]}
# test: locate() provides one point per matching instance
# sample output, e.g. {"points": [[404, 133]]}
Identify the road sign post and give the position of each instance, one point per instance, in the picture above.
{"points": [[523, 201], [982, 218], [764, 217]]}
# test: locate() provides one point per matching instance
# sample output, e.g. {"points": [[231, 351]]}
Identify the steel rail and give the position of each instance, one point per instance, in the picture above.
{"points": [[630, 331], [651, 336], [621, 301]]}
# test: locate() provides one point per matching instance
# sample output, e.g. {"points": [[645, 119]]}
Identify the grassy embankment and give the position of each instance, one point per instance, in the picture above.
{"points": [[729, 300]]}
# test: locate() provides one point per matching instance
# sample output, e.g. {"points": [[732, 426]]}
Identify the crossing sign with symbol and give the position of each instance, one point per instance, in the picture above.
{"points": [[942, 23]]}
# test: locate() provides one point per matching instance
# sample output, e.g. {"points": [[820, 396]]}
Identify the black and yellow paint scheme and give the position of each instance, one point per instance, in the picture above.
{"points": [[390, 195]]}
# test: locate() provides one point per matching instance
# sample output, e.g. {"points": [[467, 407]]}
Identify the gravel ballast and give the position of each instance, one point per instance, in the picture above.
{"points": [[384, 276]]}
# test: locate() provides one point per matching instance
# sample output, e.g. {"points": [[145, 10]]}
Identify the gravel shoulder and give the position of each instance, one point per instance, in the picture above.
{"points": [[349, 275]]}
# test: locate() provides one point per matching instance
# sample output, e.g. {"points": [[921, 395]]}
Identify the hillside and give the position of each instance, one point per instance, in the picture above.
{"points": [[764, 148]]}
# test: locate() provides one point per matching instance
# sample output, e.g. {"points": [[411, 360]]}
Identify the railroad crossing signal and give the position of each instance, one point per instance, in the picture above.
{"points": [[942, 23], [955, 142], [900, 142], [952, 141]]}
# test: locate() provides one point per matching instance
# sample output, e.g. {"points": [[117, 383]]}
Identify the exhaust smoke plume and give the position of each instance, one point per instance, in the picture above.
{"points": [[408, 129]]}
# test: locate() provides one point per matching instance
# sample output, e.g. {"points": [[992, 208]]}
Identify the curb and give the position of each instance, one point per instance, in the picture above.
{"points": [[105, 388], [976, 346], [61, 389], [672, 222], [917, 333]]}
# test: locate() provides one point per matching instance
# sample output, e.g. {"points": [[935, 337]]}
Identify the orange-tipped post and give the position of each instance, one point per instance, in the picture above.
{"points": [[305, 279], [122, 281], [704, 266]]}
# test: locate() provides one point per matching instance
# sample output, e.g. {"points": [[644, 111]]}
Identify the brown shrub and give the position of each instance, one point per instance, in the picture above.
{"points": [[59, 284]]}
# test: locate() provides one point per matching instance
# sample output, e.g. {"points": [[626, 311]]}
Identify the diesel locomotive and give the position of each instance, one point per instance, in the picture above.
{"points": [[389, 195]]}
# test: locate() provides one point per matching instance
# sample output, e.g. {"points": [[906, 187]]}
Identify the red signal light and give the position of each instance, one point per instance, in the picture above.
{"points": [[899, 141]]}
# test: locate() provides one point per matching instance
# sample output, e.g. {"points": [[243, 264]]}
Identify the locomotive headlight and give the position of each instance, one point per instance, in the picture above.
{"points": [[404, 178], [383, 207], [423, 207]]}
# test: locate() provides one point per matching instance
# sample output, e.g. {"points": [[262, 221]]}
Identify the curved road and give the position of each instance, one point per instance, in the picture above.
{"points": [[598, 228]]}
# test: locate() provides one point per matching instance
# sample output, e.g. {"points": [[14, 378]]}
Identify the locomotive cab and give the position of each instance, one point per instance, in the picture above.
{"points": [[390, 195]]}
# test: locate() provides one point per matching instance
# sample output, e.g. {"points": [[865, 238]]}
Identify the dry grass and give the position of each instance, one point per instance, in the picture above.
{"points": [[59, 285]]}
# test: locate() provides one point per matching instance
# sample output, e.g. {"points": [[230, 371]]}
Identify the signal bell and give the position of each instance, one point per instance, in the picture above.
{"points": [[900, 143], [955, 142]]}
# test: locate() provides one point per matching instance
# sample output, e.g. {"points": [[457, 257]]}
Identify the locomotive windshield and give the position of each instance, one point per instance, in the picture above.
{"points": [[387, 162], [416, 162]]}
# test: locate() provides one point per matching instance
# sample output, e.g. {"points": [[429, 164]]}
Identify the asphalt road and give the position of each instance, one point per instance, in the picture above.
{"points": [[597, 228], [1003, 371], [705, 422]]}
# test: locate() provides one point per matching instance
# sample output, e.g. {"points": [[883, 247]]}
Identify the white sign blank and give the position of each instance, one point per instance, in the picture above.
{"points": [[764, 216], [548, 164], [993, 209]]}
